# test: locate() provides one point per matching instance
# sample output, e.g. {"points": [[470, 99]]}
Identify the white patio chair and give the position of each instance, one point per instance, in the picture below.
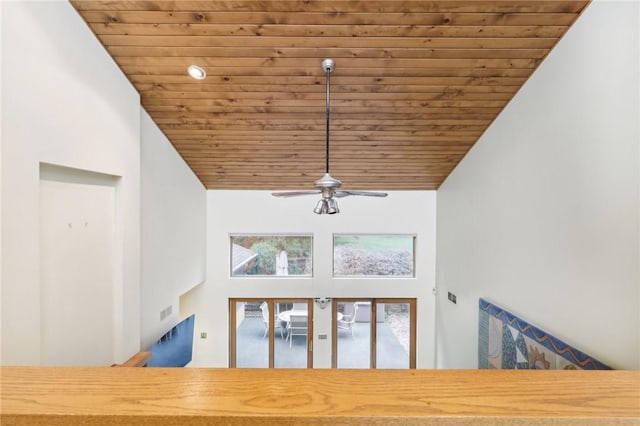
{"points": [[265, 318], [297, 326], [264, 307], [347, 321]]}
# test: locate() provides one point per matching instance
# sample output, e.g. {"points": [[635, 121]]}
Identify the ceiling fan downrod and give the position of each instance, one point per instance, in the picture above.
{"points": [[328, 65], [327, 185]]}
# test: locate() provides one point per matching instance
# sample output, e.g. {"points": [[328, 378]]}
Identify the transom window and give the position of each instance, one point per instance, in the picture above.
{"points": [[356, 255], [271, 255]]}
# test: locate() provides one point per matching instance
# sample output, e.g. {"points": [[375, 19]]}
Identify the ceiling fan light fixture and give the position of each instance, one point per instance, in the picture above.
{"points": [[197, 72], [321, 207], [332, 206], [326, 206]]}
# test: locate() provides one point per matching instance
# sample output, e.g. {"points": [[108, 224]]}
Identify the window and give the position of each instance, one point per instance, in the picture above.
{"points": [[271, 255], [373, 255]]}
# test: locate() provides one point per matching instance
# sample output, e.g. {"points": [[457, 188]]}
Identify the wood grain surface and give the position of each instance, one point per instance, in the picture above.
{"points": [[414, 81], [141, 396]]}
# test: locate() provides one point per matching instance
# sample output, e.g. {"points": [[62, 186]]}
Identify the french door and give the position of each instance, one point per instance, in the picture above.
{"points": [[270, 333], [374, 333]]}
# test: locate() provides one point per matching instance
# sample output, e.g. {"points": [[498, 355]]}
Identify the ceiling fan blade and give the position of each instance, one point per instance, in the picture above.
{"points": [[340, 194], [295, 193]]}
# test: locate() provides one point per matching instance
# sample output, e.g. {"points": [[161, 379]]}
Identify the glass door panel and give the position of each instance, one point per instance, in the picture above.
{"points": [[353, 334], [393, 331], [374, 333], [292, 334], [251, 334]]}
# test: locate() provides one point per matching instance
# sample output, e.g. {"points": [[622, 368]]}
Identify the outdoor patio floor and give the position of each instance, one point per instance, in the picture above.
{"points": [[253, 350]]}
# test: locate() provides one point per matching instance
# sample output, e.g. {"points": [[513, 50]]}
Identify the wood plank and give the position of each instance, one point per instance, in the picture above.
{"points": [[305, 65], [346, 83], [306, 121], [526, 38], [209, 53], [304, 180], [277, 159], [140, 359], [408, 128], [357, 132], [164, 97], [351, 36], [195, 120], [318, 6], [202, 105], [435, 142], [180, 72], [148, 86], [257, 21], [259, 67]]}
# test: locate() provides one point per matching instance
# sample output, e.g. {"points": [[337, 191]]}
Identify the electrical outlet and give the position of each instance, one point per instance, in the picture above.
{"points": [[203, 335], [452, 297]]}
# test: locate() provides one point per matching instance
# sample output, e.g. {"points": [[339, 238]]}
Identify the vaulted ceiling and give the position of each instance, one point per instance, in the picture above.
{"points": [[416, 82]]}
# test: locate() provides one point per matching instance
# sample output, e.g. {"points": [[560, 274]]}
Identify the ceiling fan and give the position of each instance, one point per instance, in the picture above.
{"points": [[327, 185]]}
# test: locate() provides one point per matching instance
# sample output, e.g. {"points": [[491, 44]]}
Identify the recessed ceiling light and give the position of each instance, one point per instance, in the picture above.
{"points": [[197, 72]]}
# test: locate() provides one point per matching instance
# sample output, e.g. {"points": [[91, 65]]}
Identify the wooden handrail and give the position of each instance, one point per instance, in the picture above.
{"points": [[185, 396], [138, 360]]}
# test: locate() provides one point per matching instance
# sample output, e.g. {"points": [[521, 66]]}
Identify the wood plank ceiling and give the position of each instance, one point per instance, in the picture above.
{"points": [[416, 82]]}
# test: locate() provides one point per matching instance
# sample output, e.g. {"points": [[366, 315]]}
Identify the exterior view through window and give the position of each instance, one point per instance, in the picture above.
{"points": [[278, 333], [271, 255], [373, 255], [374, 333], [268, 333]]}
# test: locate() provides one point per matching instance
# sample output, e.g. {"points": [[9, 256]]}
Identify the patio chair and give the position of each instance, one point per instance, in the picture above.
{"points": [[264, 307], [347, 321], [265, 318], [297, 326]]}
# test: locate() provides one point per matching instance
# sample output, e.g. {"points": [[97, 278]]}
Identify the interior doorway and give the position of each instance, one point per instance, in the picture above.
{"points": [[77, 258]]}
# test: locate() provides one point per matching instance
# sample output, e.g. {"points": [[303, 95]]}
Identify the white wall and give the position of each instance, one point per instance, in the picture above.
{"points": [[1, 183], [173, 231], [232, 212], [64, 102], [542, 216], [77, 247]]}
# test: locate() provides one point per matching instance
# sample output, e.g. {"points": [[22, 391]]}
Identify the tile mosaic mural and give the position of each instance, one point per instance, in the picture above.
{"points": [[506, 341]]}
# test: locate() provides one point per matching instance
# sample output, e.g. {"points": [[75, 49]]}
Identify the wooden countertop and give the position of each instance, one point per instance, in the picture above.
{"points": [[145, 396]]}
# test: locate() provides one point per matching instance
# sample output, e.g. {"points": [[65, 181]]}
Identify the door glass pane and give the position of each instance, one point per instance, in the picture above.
{"points": [[354, 334], [291, 334], [392, 335], [252, 334]]}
